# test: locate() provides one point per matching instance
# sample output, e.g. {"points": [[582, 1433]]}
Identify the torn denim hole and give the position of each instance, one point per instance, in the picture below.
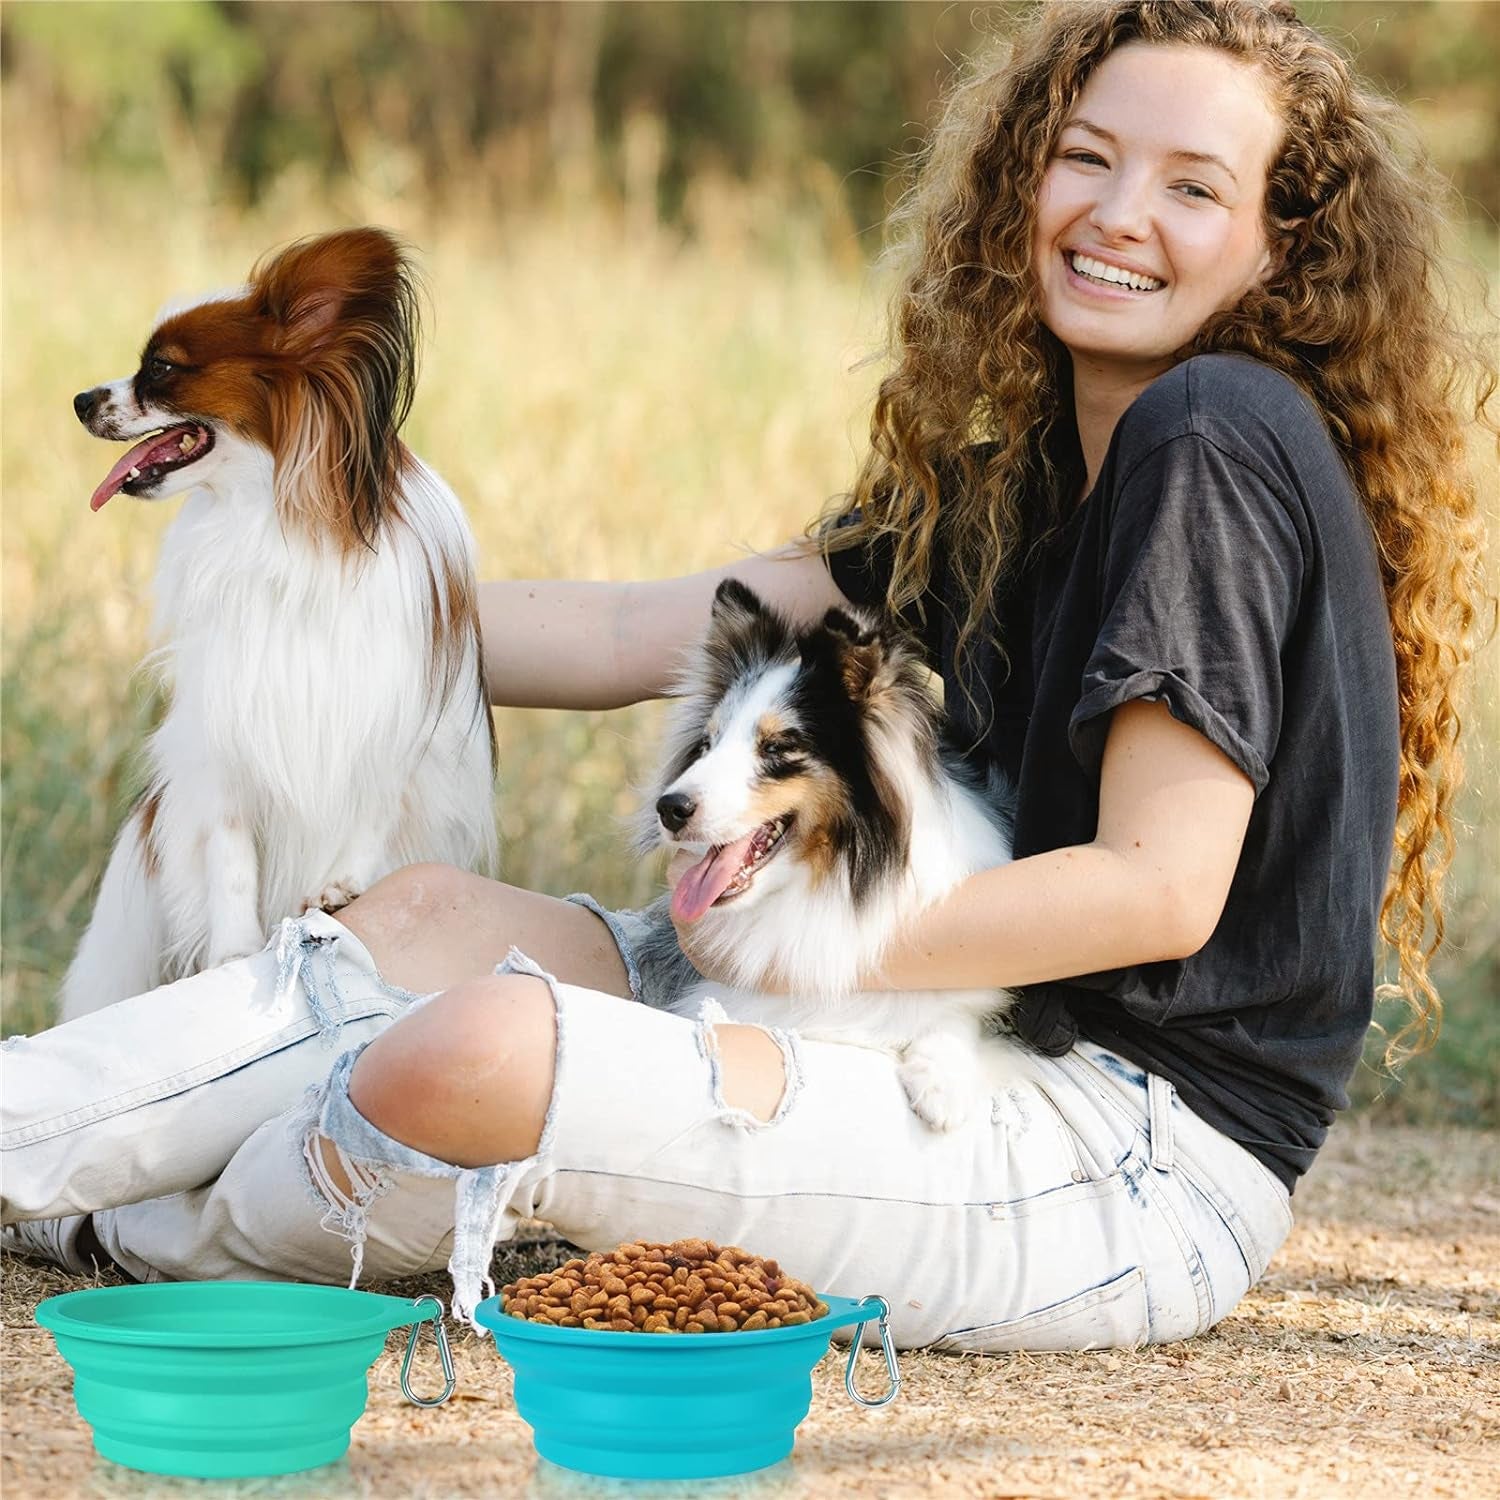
{"points": [[710, 1014], [349, 1220], [480, 1194]]}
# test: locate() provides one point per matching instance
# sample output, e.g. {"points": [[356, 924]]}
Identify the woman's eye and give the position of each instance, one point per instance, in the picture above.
{"points": [[1088, 157], [1194, 191]]}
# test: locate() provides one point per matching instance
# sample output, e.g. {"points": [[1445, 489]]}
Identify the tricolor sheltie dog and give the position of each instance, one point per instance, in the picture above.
{"points": [[810, 769], [316, 620]]}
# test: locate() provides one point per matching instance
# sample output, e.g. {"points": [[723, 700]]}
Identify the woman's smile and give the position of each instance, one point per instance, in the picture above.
{"points": [[1101, 276]]}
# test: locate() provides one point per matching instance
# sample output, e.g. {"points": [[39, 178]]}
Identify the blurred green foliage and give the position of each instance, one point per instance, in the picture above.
{"points": [[508, 101]]}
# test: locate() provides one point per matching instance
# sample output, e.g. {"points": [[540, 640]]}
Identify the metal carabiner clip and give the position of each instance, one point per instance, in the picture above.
{"points": [[444, 1353], [890, 1356]]}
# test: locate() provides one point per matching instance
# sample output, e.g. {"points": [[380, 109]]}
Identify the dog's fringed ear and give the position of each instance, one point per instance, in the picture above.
{"points": [[308, 322], [359, 278], [346, 309], [744, 633], [858, 652], [737, 605]]}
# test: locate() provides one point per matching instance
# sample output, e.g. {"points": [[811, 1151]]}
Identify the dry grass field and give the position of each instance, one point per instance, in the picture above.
{"points": [[607, 403], [1367, 1363]]}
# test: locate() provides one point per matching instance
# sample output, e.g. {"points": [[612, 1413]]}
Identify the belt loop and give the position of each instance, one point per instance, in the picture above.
{"points": [[1159, 1096]]}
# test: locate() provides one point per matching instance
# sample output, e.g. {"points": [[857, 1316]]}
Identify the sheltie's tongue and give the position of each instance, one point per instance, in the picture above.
{"points": [[169, 444], [707, 880]]}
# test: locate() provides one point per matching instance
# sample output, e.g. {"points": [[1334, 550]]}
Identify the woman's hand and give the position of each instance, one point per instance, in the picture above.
{"points": [[689, 937]]}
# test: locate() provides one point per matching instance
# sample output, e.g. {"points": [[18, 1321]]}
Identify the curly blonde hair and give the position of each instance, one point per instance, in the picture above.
{"points": [[1360, 314]]}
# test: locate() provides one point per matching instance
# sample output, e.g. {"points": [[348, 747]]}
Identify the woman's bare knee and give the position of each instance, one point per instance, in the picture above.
{"points": [[467, 1078], [399, 910]]}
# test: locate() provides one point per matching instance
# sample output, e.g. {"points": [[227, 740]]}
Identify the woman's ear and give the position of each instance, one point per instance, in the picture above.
{"points": [[1283, 242]]}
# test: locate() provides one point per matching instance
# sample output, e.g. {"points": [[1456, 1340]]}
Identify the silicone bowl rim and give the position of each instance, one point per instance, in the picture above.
{"points": [[378, 1313]]}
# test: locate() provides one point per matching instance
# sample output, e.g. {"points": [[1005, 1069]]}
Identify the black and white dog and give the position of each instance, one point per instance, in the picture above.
{"points": [[810, 771]]}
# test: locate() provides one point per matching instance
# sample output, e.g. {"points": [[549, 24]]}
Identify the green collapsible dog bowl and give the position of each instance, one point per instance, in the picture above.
{"points": [[228, 1379], [673, 1405]]}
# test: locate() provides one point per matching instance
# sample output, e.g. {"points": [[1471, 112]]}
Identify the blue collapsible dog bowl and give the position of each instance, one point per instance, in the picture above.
{"points": [[673, 1405], [229, 1379]]}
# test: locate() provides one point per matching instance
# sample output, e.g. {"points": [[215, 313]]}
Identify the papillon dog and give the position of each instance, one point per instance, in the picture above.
{"points": [[315, 616], [809, 772]]}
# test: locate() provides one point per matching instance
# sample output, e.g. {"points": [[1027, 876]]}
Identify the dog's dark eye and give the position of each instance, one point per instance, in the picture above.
{"points": [[781, 746], [701, 748], [158, 368]]}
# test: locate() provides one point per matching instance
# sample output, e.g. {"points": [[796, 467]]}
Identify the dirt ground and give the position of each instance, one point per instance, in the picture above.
{"points": [[1367, 1363]]}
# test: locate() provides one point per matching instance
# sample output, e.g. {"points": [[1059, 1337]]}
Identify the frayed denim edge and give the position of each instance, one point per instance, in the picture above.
{"points": [[478, 1191], [348, 1220], [296, 949], [310, 956]]}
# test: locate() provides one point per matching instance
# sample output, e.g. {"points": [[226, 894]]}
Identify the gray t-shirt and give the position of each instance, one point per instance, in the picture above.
{"points": [[1222, 564]]}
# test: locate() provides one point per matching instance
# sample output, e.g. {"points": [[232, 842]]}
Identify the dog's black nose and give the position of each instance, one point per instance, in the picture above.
{"points": [[674, 810], [85, 402]]}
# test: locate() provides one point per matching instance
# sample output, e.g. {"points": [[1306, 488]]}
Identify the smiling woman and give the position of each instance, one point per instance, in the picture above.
{"points": [[1267, 205]]}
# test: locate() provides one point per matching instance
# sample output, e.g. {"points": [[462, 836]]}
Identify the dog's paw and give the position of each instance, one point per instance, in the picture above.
{"points": [[939, 1099], [333, 896]]}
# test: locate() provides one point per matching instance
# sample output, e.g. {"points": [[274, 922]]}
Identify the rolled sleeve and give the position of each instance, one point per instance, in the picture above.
{"points": [[1201, 577]]}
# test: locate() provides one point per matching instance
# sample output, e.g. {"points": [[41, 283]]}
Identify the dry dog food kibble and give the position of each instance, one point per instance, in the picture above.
{"points": [[689, 1286]]}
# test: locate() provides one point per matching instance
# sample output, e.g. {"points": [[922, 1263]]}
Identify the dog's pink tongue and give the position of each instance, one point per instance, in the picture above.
{"points": [[114, 481], [707, 880]]}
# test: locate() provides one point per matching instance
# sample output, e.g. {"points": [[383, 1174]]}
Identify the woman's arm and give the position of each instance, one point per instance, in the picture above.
{"points": [[560, 644], [1173, 810]]}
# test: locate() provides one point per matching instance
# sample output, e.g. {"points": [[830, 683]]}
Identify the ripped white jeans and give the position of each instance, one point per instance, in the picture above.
{"points": [[1087, 1208]]}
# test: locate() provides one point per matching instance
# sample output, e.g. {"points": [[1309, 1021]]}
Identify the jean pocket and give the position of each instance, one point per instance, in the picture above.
{"points": [[1113, 1315], [1086, 1164]]}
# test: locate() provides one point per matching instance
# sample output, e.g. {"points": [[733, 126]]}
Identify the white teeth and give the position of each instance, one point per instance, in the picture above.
{"points": [[757, 856], [1098, 270], [134, 474], [188, 443]]}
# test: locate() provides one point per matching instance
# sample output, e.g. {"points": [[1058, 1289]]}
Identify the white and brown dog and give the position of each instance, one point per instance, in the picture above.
{"points": [[315, 615]]}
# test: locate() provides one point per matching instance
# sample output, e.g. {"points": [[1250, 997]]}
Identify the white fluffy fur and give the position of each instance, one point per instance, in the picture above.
{"points": [[303, 755], [814, 935]]}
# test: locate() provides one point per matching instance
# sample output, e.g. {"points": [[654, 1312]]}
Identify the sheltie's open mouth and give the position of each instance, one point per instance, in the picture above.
{"points": [[153, 458], [727, 870]]}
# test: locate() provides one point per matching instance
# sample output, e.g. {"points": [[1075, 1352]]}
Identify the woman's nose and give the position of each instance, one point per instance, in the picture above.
{"points": [[1122, 209]]}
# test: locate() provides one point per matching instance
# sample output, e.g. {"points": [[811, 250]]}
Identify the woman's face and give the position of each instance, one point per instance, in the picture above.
{"points": [[1159, 172]]}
